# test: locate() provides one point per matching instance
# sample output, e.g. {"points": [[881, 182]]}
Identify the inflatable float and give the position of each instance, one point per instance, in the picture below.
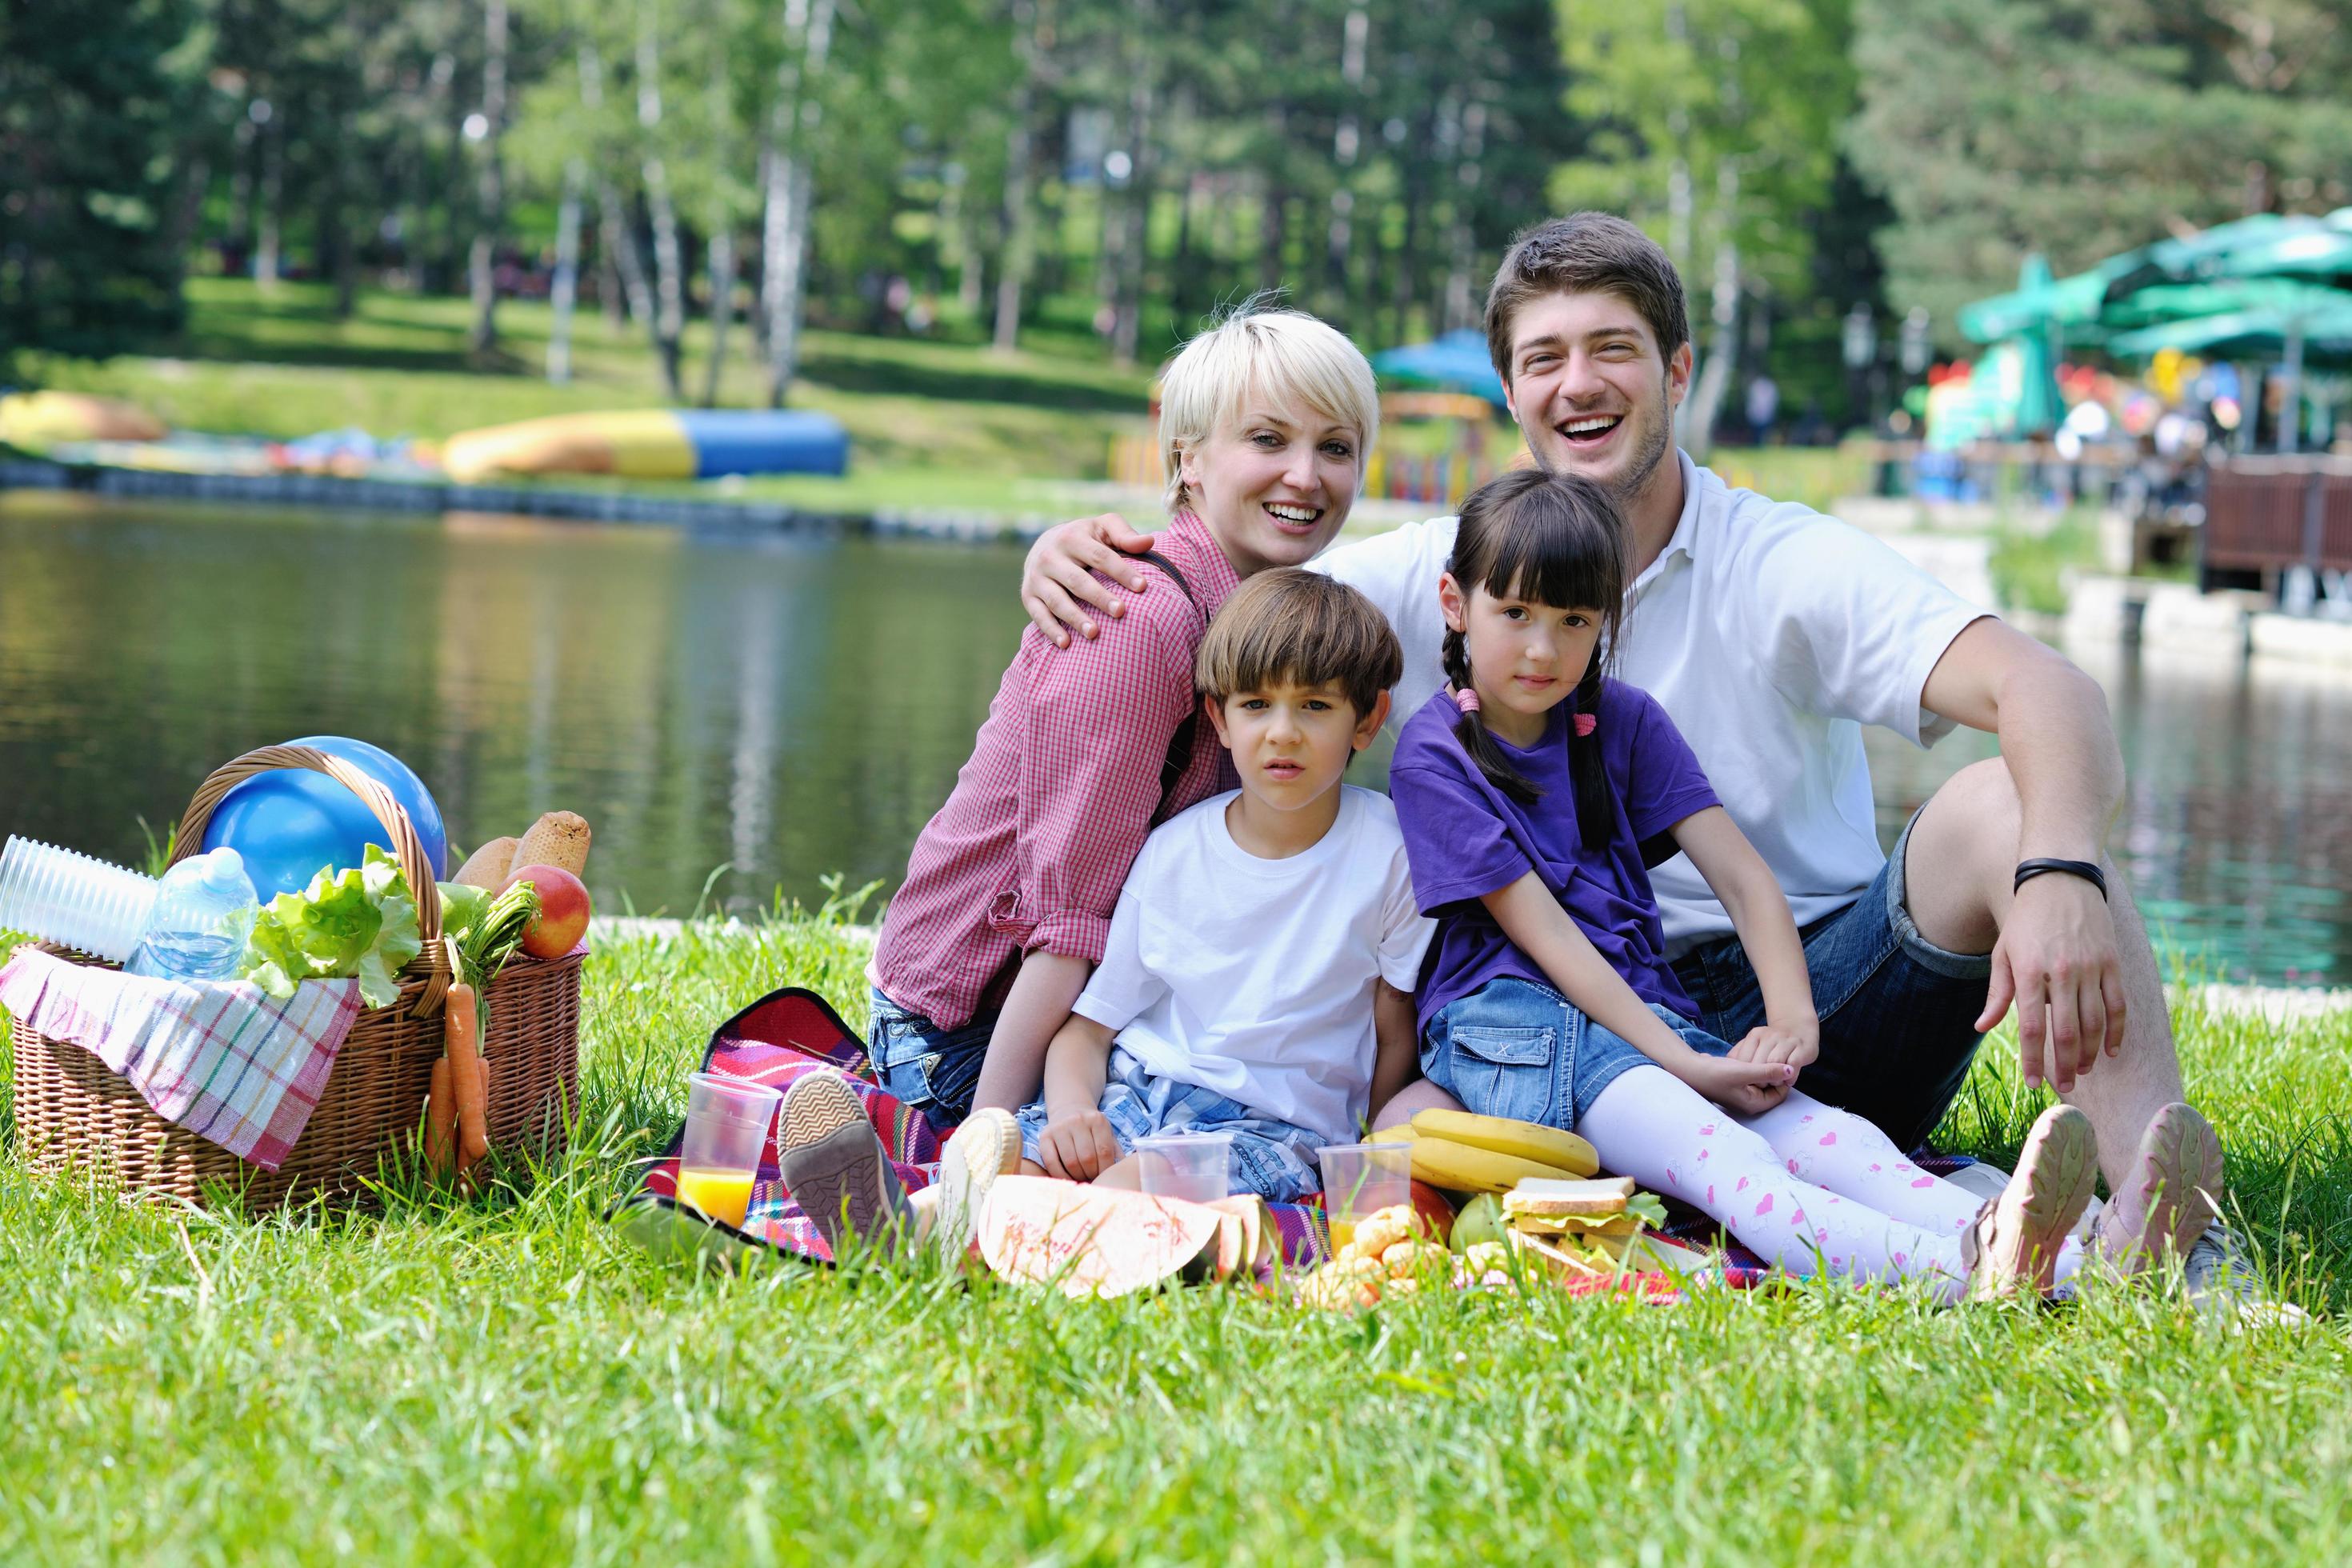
{"points": [[653, 444], [38, 420]]}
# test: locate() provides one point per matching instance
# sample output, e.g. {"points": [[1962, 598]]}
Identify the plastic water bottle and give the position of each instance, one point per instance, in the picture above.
{"points": [[203, 913], [68, 898]]}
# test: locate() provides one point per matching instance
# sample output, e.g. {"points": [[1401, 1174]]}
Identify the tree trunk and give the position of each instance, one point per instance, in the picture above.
{"points": [[1461, 308], [565, 291], [1135, 249], [1013, 266], [482, 265], [273, 191], [617, 230], [784, 229], [1346, 142], [670, 283], [722, 308], [1723, 347]]}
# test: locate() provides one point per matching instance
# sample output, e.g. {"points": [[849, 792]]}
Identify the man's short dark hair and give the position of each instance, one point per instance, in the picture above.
{"points": [[1289, 626], [1587, 252]]}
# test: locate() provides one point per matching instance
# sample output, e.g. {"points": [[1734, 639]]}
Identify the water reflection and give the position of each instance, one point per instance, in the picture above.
{"points": [[786, 707]]}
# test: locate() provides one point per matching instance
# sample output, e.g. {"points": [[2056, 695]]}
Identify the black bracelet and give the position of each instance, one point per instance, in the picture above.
{"points": [[2029, 869]]}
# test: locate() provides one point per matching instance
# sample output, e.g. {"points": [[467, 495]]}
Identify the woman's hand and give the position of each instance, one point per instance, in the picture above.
{"points": [[1742, 1088], [1057, 580], [1767, 1042], [1078, 1148]]}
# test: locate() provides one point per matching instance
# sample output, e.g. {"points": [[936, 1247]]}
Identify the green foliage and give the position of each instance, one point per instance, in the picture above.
{"points": [[92, 98], [2083, 128], [453, 1379]]}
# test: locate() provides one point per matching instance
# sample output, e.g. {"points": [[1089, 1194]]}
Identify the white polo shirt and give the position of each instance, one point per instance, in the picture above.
{"points": [[1771, 634]]}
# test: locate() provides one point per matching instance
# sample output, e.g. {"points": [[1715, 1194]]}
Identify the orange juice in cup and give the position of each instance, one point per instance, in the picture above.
{"points": [[727, 1123], [720, 1194]]}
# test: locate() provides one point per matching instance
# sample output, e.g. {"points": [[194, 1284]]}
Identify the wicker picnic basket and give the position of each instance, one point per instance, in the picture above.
{"points": [[73, 1110]]}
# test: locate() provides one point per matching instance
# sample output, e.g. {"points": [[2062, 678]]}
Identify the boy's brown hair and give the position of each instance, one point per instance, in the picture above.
{"points": [[1587, 253], [1293, 626]]}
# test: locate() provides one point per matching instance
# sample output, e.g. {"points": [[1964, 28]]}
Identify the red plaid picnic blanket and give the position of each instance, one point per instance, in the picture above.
{"points": [[795, 1031], [222, 1059]]}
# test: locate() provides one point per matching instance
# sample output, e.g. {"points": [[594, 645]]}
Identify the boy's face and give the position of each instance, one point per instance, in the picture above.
{"points": [[1290, 742]]}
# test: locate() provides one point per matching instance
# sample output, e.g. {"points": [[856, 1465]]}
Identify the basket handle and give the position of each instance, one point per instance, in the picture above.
{"points": [[407, 849]]}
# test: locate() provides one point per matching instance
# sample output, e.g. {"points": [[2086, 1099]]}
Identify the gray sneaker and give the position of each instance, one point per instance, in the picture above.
{"points": [[2219, 1273]]}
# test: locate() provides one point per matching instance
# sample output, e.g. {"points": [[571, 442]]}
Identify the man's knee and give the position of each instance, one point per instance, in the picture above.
{"points": [[1958, 855]]}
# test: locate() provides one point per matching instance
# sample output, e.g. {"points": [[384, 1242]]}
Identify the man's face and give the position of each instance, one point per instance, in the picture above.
{"points": [[1592, 391]]}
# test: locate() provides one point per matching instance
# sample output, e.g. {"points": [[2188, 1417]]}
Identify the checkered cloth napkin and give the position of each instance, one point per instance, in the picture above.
{"points": [[222, 1059]]}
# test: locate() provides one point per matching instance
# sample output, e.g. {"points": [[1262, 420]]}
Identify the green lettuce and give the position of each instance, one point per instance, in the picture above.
{"points": [[358, 922], [461, 907]]}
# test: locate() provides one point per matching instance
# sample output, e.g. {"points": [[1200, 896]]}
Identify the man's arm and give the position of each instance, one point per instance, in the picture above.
{"points": [[1058, 580], [2056, 955]]}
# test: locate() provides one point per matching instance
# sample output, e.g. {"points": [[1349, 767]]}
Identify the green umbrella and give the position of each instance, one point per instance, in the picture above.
{"points": [[2240, 333], [2079, 304]]}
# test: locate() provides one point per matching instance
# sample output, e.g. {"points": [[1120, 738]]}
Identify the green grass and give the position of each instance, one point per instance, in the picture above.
{"points": [[509, 1381]]}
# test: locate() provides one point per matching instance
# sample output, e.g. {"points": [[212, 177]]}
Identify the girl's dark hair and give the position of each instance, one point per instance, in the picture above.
{"points": [[1556, 540]]}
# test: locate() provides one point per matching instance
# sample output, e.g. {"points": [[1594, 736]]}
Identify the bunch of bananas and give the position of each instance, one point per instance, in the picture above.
{"points": [[1467, 1153]]}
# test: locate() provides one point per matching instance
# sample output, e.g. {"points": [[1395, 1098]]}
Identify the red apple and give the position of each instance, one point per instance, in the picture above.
{"points": [[1436, 1215], [563, 910]]}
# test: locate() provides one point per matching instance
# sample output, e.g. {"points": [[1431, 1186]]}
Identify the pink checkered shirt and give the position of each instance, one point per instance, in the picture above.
{"points": [[1035, 840]]}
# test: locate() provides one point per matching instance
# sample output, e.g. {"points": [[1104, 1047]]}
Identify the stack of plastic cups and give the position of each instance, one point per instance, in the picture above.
{"points": [[73, 901]]}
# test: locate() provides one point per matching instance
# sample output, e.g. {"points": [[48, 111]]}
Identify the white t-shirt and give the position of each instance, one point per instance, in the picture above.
{"points": [[1771, 634], [1253, 978]]}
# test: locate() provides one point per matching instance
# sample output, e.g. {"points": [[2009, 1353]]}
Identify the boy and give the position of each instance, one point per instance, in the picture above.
{"points": [[1257, 974], [1259, 969]]}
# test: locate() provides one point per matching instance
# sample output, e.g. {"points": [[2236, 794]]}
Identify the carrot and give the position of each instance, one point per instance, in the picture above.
{"points": [[441, 1121], [464, 1072], [478, 1143]]}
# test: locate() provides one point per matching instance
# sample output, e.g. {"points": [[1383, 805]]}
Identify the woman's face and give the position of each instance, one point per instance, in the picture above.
{"points": [[1274, 482]]}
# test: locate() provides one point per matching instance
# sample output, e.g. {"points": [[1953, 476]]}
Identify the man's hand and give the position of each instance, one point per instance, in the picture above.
{"points": [[1079, 1148], [1057, 580], [2056, 960], [1764, 1043]]}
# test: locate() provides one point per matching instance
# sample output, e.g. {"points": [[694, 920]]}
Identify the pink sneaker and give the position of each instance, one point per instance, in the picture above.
{"points": [[2014, 1243]]}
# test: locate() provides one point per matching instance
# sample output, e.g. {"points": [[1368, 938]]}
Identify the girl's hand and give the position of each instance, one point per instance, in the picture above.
{"points": [[1765, 1043], [1078, 1149], [1742, 1088]]}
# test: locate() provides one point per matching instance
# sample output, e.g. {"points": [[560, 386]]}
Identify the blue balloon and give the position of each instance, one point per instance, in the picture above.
{"points": [[289, 823]]}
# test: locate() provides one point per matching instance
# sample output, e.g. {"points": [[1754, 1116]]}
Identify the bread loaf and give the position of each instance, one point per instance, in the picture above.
{"points": [[558, 839]]}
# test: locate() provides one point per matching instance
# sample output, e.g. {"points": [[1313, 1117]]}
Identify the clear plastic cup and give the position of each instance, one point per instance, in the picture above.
{"points": [[727, 1123], [76, 901], [1195, 1167], [1360, 1180]]}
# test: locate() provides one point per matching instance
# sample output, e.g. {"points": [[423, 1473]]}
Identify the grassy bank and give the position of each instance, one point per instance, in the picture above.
{"points": [[507, 1381]]}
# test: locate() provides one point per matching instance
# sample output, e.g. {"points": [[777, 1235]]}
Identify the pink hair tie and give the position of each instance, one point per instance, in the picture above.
{"points": [[1586, 723], [1466, 699]]}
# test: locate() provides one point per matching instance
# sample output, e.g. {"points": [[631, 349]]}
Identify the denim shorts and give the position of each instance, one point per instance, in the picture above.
{"points": [[1898, 1012], [1517, 1050], [1272, 1159], [924, 1067]]}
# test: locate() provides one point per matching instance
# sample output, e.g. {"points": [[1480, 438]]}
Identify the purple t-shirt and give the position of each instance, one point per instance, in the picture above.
{"points": [[1466, 838]]}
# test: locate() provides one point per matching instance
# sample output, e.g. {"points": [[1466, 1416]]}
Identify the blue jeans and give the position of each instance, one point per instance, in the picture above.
{"points": [[924, 1067], [1521, 1050], [1898, 1012]]}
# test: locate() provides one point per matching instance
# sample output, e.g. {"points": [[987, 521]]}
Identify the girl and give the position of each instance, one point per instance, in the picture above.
{"points": [[1534, 793]]}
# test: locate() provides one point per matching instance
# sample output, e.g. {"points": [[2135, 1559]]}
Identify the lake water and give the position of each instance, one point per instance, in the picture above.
{"points": [[775, 709]]}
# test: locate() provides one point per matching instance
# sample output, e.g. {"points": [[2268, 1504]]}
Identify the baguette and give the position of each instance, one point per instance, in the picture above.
{"points": [[558, 839], [486, 867]]}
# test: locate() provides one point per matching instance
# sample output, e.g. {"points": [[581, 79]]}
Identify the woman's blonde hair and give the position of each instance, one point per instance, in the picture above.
{"points": [[1285, 356]]}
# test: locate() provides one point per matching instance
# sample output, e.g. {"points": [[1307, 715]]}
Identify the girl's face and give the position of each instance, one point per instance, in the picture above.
{"points": [[1274, 482], [1525, 657]]}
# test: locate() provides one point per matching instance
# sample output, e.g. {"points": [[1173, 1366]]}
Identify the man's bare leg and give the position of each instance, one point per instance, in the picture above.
{"points": [[1957, 876]]}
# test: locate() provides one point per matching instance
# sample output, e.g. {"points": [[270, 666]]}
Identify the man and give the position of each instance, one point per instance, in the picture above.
{"points": [[1771, 634]]}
